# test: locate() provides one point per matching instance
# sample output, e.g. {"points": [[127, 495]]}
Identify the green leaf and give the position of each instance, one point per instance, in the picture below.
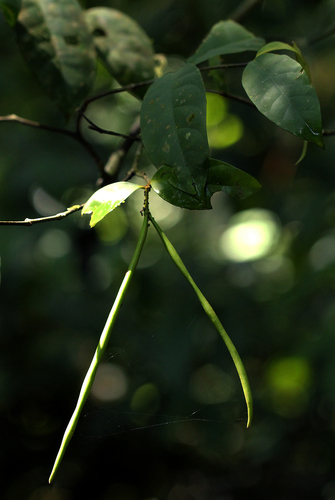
{"points": [[162, 186], [270, 47], [173, 123], [57, 46], [10, 9], [122, 45], [106, 199], [281, 91], [231, 180], [221, 177], [226, 37]]}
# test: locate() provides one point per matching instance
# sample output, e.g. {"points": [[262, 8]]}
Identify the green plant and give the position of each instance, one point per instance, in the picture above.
{"points": [[61, 43]]}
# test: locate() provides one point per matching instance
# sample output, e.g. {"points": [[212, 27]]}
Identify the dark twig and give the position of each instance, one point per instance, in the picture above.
{"points": [[126, 88], [30, 123], [326, 133], [75, 135], [243, 9], [232, 97], [115, 160], [30, 222], [322, 36], [134, 168], [95, 127], [87, 102], [225, 66], [106, 177]]}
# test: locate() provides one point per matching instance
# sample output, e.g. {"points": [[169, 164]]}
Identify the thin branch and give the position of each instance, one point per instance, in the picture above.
{"points": [[322, 36], [126, 88], [87, 102], [225, 66], [243, 9], [30, 222], [134, 168], [104, 171], [30, 123], [326, 133], [74, 135], [95, 127], [115, 160], [232, 97]]}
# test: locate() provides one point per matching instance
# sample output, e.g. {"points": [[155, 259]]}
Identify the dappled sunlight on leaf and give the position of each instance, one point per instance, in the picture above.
{"points": [[107, 199]]}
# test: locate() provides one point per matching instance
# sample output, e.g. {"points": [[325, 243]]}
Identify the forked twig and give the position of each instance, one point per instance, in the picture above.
{"points": [[74, 135]]}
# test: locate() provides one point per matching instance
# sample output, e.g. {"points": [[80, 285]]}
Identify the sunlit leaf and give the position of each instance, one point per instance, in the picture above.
{"points": [[57, 46], [226, 37], [281, 91], [106, 199], [231, 180], [173, 123], [10, 10], [123, 46]]}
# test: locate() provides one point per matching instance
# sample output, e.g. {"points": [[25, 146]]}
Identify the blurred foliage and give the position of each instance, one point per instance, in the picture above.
{"points": [[166, 419]]}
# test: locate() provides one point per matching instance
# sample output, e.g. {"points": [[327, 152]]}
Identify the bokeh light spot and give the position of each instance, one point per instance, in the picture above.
{"points": [[322, 253], [210, 385], [226, 133], [54, 243], [288, 380], [145, 398], [110, 382], [252, 234], [216, 110]]}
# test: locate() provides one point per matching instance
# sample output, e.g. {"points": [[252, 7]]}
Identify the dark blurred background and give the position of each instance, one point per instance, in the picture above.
{"points": [[166, 418]]}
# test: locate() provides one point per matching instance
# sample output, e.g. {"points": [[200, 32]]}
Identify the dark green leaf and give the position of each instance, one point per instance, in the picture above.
{"points": [[122, 45], [281, 91], [10, 9], [221, 177], [231, 180], [270, 47], [106, 199], [173, 123], [58, 48], [226, 37], [163, 187]]}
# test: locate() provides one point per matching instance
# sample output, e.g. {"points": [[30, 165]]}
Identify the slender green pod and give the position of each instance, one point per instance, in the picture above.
{"points": [[103, 342], [212, 316]]}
